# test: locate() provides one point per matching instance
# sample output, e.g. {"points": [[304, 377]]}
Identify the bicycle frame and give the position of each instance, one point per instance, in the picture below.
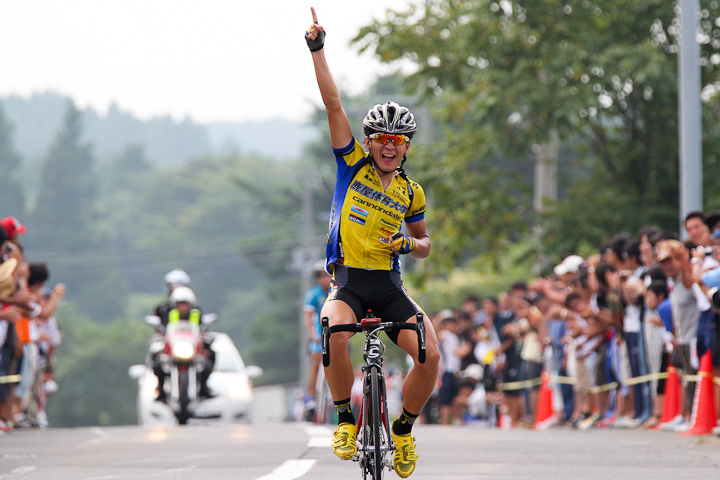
{"points": [[374, 439]]}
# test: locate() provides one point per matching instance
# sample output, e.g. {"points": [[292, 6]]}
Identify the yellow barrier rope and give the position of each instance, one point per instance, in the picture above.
{"points": [[605, 387], [10, 379]]}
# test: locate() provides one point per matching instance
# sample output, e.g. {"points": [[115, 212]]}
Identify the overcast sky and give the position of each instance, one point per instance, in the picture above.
{"points": [[212, 60]]}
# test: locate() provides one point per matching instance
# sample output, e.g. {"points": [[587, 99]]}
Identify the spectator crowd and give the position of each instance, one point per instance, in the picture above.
{"points": [[605, 328], [29, 333]]}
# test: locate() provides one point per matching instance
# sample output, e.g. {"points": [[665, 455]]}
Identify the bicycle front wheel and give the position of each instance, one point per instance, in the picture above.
{"points": [[376, 458]]}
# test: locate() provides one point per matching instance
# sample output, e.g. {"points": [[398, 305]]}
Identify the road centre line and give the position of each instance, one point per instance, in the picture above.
{"points": [[18, 471], [290, 470], [320, 436]]}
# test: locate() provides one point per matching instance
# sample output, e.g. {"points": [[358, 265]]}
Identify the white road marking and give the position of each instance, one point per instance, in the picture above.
{"points": [[16, 472], [290, 470], [100, 436], [320, 436], [164, 473]]}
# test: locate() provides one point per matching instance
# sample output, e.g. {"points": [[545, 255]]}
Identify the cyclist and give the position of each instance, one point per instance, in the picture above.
{"points": [[372, 197], [314, 299]]}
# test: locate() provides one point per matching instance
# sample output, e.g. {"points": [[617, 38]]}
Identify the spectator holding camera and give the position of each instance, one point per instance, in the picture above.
{"points": [[674, 259]]}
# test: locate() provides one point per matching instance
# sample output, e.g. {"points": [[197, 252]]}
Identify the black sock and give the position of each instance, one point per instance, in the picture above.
{"points": [[343, 411], [404, 424]]}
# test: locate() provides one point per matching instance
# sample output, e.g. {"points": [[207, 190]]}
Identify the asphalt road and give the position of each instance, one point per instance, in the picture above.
{"points": [[290, 451]]}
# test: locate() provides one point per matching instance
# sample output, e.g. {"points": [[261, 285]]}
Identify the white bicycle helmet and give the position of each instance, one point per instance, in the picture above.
{"points": [[176, 278], [390, 118], [182, 294]]}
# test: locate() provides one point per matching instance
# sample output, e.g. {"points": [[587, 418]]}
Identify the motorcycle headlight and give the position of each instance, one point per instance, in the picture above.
{"points": [[238, 390], [183, 350]]}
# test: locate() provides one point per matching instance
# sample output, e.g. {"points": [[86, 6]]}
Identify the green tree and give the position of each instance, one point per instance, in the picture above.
{"points": [[92, 371], [10, 185], [504, 77], [65, 210]]}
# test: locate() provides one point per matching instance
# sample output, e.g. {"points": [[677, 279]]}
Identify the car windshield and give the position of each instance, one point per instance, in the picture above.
{"points": [[225, 361]]}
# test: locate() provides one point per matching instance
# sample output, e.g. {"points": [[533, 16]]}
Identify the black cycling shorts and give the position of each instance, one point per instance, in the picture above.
{"points": [[379, 290]]}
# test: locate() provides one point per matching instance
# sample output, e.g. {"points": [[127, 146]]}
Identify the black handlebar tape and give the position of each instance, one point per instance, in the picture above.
{"points": [[419, 327], [325, 340]]}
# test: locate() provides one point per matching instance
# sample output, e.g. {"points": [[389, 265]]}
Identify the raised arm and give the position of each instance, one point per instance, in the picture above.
{"points": [[340, 132]]}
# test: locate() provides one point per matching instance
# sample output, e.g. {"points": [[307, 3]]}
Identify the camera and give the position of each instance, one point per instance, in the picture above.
{"points": [[709, 251]]}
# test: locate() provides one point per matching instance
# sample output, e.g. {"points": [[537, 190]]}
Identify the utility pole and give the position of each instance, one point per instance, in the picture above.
{"points": [[545, 187], [691, 184], [303, 259]]}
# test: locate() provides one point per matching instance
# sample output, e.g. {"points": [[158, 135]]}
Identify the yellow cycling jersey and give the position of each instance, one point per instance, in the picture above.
{"points": [[364, 214]]}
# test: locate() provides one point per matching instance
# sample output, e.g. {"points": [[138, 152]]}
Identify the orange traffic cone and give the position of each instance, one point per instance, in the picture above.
{"points": [[671, 407], [544, 412], [704, 418]]}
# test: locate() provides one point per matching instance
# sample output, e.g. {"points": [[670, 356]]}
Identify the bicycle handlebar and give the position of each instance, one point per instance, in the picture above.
{"points": [[327, 330]]}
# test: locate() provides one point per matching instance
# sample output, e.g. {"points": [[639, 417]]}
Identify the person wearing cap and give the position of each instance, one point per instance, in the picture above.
{"points": [[314, 300], [568, 267], [13, 228], [8, 317], [565, 271]]}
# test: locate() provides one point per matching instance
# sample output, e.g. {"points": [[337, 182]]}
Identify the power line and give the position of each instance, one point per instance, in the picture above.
{"points": [[89, 265]]}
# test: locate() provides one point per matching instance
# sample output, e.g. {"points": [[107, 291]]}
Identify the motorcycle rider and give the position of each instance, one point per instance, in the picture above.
{"points": [[173, 279], [183, 306]]}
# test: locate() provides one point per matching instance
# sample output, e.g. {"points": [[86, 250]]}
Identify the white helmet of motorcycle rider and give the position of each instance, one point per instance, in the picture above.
{"points": [[176, 278], [182, 294]]}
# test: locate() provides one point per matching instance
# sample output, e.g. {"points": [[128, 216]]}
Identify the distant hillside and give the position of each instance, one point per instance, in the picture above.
{"points": [[279, 138], [166, 142]]}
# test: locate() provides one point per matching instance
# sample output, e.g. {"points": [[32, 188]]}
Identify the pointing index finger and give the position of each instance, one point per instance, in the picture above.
{"points": [[314, 15]]}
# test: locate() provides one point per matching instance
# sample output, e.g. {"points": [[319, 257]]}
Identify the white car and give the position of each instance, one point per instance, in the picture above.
{"points": [[229, 381]]}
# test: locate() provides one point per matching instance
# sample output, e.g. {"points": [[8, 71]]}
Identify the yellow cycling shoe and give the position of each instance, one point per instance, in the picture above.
{"points": [[405, 456], [344, 445]]}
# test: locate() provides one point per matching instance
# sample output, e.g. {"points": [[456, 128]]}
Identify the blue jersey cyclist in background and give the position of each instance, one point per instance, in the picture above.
{"points": [[314, 300], [373, 197]]}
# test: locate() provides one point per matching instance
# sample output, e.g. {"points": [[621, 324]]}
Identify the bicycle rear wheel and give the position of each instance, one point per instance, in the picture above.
{"points": [[376, 424]]}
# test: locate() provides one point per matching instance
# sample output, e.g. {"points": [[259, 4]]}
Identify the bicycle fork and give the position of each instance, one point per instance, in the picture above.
{"points": [[366, 445]]}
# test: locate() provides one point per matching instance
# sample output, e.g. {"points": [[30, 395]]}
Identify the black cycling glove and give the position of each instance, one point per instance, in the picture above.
{"points": [[316, 44]]}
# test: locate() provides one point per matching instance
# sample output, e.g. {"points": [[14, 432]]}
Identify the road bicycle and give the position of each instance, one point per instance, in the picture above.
{"points": [[374, 441]]}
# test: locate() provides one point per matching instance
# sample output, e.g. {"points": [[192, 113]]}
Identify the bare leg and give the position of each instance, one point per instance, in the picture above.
{"points": [[603, 401], [534, 393], [421, 379], [516, 408], [339, 374]]}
